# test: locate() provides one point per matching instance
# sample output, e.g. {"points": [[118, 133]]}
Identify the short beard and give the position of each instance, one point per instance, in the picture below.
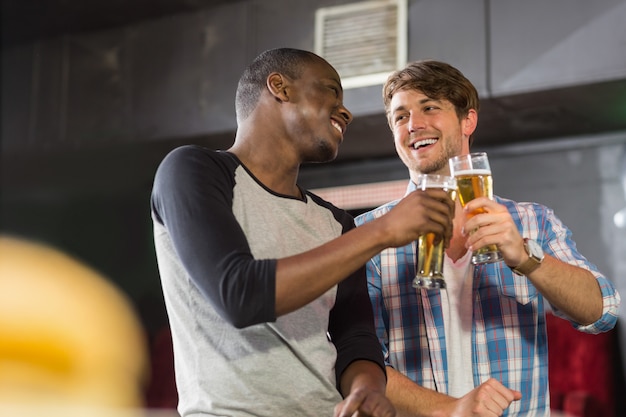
{"points": [[435, 167], [323, 153]]}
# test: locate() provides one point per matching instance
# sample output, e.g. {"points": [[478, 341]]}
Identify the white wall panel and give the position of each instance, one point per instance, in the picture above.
{"points": [[542, 45]]}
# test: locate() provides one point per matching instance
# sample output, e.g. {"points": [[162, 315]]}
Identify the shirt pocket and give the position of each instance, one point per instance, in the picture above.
{"points": [[511, 285]]}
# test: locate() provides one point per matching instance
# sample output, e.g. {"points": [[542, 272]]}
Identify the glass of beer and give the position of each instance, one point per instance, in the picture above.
{"points": [[473, 177], [429, 273]]}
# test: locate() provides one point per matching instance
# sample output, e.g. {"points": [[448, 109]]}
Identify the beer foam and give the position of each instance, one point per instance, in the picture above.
{"points": [[467, 172]]}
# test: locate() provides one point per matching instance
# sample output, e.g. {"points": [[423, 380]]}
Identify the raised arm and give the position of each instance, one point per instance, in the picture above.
{"points": [[565, 278], [192, 198]]}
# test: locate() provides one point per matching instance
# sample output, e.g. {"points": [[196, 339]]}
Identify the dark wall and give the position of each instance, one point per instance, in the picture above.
{"points": [[110, 232]]}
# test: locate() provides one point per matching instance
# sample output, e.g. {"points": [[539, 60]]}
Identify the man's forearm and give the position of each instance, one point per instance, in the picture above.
{"points": [[363, 373], [572, 290], [412, 400]]}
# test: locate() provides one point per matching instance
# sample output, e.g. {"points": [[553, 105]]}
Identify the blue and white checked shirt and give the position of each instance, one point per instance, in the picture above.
{"points": [[509, 341]]}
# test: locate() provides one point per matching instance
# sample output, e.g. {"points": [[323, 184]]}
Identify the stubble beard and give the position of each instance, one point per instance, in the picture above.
{"points": [[322, 152], [436, 166]]}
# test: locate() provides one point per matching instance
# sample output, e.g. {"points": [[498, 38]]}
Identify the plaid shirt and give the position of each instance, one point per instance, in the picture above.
{"points": [[509, 331]]}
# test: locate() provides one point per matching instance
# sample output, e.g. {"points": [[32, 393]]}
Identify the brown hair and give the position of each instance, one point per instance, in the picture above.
{"points": [[436, 80]]}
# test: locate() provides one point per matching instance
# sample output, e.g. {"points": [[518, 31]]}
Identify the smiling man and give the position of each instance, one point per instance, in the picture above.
{"points": [[477, 348], [264, 282]]}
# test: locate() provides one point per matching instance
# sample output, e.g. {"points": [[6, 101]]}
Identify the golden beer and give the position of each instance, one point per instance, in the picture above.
{"points": [[474, 180], [429, 273], [474, 184]]}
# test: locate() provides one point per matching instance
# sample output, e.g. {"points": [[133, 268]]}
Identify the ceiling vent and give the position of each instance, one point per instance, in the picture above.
{"points": [[363, 41]]}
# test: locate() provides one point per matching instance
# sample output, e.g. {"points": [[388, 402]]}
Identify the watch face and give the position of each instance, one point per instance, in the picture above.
{"points": [[534, 249]]}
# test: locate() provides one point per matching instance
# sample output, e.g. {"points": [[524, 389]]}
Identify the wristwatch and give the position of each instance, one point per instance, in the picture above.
{"points": [[535, 257]]}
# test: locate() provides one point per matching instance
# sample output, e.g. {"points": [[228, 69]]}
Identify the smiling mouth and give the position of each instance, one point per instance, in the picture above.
{"points": [[424, 142], [337, 126]]}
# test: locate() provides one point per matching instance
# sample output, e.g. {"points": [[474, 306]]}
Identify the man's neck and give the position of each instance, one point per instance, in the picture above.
{"points": [[272, 170]]}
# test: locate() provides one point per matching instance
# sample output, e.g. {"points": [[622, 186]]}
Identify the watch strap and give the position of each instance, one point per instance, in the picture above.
{"points": [[530, 264], [527, 267]]}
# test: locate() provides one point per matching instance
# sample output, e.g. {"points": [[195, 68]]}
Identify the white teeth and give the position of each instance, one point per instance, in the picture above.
{"points": [[336, 126], [424, 142]]}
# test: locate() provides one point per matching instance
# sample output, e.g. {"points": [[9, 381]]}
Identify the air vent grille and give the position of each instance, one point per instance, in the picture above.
{"points": [[363, 41]]}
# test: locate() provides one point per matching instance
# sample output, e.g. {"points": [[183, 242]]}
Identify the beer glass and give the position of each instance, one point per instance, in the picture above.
{"points": [[429, 273], [473, 178]]}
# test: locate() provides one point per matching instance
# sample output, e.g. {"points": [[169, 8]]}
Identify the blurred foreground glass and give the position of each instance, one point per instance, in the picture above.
{"points": [[473, 177], [71, 343], [429, 274]]}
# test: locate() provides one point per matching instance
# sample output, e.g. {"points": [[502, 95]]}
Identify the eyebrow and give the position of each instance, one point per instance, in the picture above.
{"points": [[421, 102]]}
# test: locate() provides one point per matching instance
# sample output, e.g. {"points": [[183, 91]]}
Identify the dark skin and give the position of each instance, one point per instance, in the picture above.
{"points": [[303, 120]]}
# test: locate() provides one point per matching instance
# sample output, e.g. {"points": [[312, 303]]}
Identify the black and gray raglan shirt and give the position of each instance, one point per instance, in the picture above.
{"points": [[218, 232]]}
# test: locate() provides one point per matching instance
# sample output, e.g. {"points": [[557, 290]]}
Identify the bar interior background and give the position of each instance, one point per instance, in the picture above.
{"points": [[95, 93]]}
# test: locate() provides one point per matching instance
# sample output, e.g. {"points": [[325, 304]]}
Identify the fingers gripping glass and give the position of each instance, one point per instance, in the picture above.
{"points": [[473, 177], [429, 273]]}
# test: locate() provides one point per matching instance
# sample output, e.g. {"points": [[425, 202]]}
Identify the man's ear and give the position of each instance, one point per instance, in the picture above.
{"points": [[469, 122], [277, 86]]}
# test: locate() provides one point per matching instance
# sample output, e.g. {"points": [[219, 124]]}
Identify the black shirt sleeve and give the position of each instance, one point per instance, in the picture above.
{"points": [[351, 323], [192, 197]]}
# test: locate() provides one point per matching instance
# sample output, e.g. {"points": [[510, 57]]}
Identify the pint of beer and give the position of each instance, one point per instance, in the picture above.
{"points": [[473, 176], [472, 184], [429, 273]]}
